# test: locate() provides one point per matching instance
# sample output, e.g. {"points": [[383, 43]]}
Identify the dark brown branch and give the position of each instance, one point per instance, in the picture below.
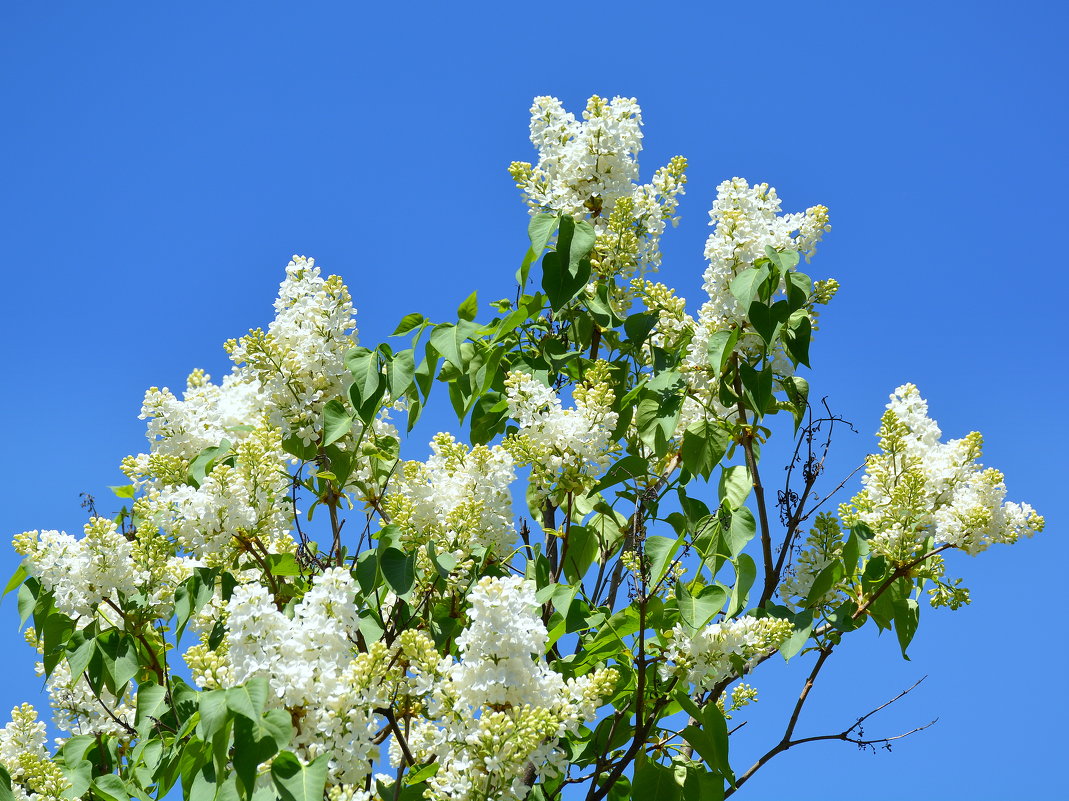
{"points": [[391, 719], [126, 726], [844, 735]]}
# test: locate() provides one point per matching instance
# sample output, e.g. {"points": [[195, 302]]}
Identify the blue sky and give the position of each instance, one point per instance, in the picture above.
{"points": [[164, 162]]}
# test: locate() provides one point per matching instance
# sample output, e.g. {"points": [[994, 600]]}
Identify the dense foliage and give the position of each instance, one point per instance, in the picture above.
{"points": [[287, 609]]}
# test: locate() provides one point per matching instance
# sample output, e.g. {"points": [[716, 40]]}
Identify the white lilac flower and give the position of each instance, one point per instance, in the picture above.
{"points": [[313, 670], [300, 361], [207, 414], [719, 650], [34, 776], [568, 449], [232, 505], [747, 220], [499, 708], [86, 575], [458, 499], [589, 168], [919, 488]]}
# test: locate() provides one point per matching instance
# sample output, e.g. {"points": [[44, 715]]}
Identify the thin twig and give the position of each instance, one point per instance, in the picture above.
{"points": [[844, 735]]}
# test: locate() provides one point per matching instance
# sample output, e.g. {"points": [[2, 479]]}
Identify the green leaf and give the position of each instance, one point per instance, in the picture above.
{"points": [[757, 387], [540, 230], [400, 372], [336, 421], [110, 788], [27, 599], [119, 661], [282, 564], [213, 713], [248, 699], [797, 391], [698, 609], [746, 286], [803, 626], [768, 320], [907, 617], [5, 785], [601, 307], [190, 596], [581, 548], [296, 446], [714, 723], [661, 552], [448, 338], [851, 553], [797, 336], [720, 347], [799, 289], [205, 462], [785, 259], [444, 563], [566, 270], [256, 741], [364, 365], [399, 570], [151, 703], [418, 775], [704, 444], [657, 416], [740, 530], [16, 579], [297, 782], [124, 491], [701, 785], [745, 573], [470, 307], [825, 580], [735, 485], [627, 469], [408, 322], [638, 326], [655, 781]]}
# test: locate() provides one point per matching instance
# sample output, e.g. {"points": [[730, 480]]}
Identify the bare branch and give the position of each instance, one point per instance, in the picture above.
{"points": [[845, 735]]}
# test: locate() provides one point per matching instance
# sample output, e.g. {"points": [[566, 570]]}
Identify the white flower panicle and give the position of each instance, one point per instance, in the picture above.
{"points": [[459, 499], [313, 670], [233, 504], [34, 776], [584, 166], [207, 414], [919, 488], [498, 648], [747, 220], [500, 707], [300, 360], [719, 650], [85, 575], [590, 167], [567, 449]]}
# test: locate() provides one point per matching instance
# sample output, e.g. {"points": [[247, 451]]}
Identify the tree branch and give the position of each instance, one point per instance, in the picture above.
{"points": [[844, 735]]}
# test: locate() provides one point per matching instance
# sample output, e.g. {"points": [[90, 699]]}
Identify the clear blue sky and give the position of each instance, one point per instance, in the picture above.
{"points": [[162, 162]]}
